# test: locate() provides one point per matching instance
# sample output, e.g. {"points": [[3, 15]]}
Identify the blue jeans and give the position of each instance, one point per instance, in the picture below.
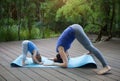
{"points": [[87, 44]]}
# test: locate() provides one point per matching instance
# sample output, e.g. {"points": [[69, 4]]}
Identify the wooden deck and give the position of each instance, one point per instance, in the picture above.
{"points": [[11, 50]]}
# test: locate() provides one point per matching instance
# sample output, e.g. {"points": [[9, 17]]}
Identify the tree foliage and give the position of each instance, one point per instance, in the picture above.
{"points": [[75, 11], [97, 16], [27, 19]]}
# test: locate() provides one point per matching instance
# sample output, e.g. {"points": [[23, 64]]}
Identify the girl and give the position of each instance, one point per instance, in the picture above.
{"points": [[32, 48]]}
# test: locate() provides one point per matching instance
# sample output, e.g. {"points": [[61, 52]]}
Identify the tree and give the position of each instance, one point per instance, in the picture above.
{"points": [[50, 8], [97, 16], [18, 18], [103, 17], [74, 11]]}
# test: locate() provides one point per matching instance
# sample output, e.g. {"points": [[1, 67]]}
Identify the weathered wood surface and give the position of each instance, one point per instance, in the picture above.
{"points": [[11, 50]]}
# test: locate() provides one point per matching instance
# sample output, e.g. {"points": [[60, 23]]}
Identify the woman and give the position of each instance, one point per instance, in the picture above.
{"points": [[32, 48], [64, 42]]}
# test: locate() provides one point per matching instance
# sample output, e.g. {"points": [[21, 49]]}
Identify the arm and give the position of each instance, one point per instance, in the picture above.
{"points": [[34, 57], [63, 56], [23, 59], [52, 59], [23, 62], [24, 51]]}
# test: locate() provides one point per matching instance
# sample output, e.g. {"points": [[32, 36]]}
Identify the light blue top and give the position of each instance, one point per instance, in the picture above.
{"points": [[31, 47]]}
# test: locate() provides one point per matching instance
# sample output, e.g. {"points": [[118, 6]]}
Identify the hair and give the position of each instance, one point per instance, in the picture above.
{"points": [[38, 57], [59, 59]]}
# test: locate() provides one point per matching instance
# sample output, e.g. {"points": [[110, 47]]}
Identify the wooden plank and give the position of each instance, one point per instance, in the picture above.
{"points": [[64, 72], [16, 71], [90, 77], [2, 78], [32, 74], [22, 72], [10, 50], [7, 75], [45, 75], [90, 72], [56, 74], [113, 77], [6, 52]]}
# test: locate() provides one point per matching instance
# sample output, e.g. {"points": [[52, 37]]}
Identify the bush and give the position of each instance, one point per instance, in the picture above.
{"points": [[8, 34], [11, 33]]}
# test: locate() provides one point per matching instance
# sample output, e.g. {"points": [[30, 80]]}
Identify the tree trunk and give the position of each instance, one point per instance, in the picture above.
{"points": [[99, 36], [8, 23], [111, 22], [19, 19], [29, 29]]}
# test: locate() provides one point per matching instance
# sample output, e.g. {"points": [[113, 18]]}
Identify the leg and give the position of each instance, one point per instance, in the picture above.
{"points": [[24, 49], [84, 40]]}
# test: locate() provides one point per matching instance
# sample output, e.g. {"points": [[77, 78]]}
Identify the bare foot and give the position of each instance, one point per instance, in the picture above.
{"points": [[104, 70]]}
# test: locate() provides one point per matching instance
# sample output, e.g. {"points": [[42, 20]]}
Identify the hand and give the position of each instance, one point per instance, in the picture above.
{"points": [[51, 59], [40, 63], [23, 63], [49, 64]]}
